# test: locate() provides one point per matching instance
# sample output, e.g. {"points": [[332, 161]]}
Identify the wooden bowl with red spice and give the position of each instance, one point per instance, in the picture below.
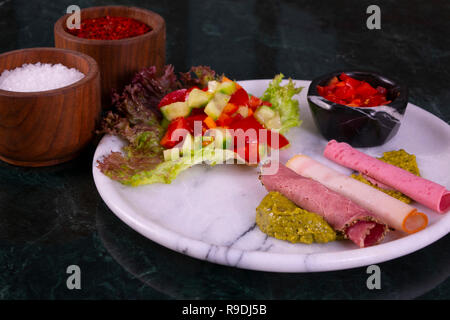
{"points": [[119, 54], [51, 126]]}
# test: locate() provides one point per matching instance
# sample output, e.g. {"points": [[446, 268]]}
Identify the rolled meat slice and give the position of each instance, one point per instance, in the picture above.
{"points": [[426, 192], [356, 223], [395, 213]]}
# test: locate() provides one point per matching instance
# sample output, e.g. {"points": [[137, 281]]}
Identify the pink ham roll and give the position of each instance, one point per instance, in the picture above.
{"points": [[426, 192], [395, 213], [356, 223]]}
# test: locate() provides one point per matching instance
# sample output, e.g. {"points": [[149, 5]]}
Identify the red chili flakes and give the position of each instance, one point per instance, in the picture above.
{"points": [[110, 28]]}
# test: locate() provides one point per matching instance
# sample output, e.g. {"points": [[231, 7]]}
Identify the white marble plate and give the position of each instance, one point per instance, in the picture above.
{"points": [[209, 212]]}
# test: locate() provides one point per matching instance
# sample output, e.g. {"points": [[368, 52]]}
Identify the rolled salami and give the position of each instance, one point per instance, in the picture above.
{"points": [[395, 213], [356, 223], [426, 192]]}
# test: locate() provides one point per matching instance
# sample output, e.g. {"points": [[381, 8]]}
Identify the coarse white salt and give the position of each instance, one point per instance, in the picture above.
{"points": [[38, 77]]}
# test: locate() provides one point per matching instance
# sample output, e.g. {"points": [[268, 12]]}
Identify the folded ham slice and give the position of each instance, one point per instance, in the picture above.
{"points": [[395, 213], [426, 192], [356, 223]]}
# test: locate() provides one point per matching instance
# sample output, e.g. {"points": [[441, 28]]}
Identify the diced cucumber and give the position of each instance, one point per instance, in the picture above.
{"points": [[264, 113], [212, 86], [191, 144], [243, 111], [228, 87], [268, 117], [171, 154], [274, 123], [198, 143], [214, 108], [198, 98], [222, 137], [188, 145], [175, 110]]}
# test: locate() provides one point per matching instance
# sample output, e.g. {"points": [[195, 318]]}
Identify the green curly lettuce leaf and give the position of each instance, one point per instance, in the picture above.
{"points": [[281, 99], [164, 172]]}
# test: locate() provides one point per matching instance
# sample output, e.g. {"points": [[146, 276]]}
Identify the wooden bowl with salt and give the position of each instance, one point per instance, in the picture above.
{"points": [[44, 128], [118, 59]]}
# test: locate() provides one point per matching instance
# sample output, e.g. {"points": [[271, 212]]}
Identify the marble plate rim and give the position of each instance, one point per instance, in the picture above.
{"points": [[260, 260]]}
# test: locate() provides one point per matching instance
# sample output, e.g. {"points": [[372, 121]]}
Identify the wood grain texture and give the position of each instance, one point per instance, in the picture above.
{"points": [[48, 127], [120, 59]]}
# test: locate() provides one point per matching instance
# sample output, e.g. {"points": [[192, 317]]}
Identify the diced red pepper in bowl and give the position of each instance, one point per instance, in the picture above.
{"points": [[352, 92]]}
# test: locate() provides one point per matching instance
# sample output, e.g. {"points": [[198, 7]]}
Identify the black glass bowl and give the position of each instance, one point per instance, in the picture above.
{"points": [[359, 126]]}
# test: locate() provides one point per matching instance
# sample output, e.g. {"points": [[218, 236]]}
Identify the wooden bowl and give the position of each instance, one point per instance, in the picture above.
{"points": [[120, 59], [48, 127]]}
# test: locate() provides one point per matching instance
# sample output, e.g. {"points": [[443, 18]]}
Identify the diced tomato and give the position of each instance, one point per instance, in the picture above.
{"points": [[174, 96], [344, 93], [251, 123], [352, 92], [236, 118], [376, 101], [254, 102], [224, 120], [199, 118], [355, 103], [282, 141], [246, 143], [249, 152], [169, 140], [246, 124], [331, 97], [366, 90], [197, 111], [266, 103], [343, 76], [239, 98], [352, 83], [333, 80], [330, 89]]}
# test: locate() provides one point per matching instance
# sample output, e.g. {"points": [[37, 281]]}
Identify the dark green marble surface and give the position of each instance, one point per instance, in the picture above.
{"points": [[53, 217]]}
